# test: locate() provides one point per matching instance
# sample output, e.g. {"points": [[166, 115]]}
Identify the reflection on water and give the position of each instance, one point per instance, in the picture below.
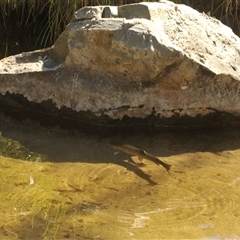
{"points": [[84, 191]]}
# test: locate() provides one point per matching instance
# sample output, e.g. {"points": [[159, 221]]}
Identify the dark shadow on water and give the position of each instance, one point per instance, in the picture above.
{"points": [[70, 145], [73, 146], [137, 170]]}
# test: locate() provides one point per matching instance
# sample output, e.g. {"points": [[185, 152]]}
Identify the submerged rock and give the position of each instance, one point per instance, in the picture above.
{"points": [[156, 64]]}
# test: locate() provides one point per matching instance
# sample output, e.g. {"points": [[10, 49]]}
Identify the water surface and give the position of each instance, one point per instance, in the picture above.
{"points": [[84, 191]]}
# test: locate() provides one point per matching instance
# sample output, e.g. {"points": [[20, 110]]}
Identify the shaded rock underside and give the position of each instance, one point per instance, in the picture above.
{"points": [[18, 107]]}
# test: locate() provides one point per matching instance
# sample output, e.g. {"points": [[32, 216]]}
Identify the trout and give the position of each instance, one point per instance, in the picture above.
{"points": [[140, 153]]}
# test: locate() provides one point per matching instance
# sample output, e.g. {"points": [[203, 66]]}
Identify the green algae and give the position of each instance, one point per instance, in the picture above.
{"points": [[13, 149], [28, 196]]}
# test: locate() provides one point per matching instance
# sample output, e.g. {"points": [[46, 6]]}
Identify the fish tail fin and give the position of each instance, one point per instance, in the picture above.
{"points": [[167, 166]]}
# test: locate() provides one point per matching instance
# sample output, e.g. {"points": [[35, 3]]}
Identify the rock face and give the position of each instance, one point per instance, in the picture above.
{"points": [[158, 64]]}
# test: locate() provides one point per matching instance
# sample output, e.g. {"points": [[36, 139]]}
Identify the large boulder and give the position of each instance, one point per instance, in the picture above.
{"points": [[157, 64]]}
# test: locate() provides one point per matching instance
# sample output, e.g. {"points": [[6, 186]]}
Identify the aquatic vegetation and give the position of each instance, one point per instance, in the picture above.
{"points": [[13, 149]]}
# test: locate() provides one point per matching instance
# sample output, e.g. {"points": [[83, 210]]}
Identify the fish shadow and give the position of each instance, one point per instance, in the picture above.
{"points": [[130, 165]]}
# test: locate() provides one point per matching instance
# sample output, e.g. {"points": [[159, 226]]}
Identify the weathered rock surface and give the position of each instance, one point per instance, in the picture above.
{"points": [[158, 64]]}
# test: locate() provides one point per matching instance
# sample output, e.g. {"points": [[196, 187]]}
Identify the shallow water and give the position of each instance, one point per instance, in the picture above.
{"points": [[84, 191]]}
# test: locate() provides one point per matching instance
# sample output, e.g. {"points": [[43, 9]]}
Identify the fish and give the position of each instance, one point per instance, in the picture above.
{"points": [[140, 153]]}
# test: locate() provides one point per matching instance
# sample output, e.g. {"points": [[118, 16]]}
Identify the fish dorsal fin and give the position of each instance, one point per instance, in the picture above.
{"points": [[141, 151]]}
